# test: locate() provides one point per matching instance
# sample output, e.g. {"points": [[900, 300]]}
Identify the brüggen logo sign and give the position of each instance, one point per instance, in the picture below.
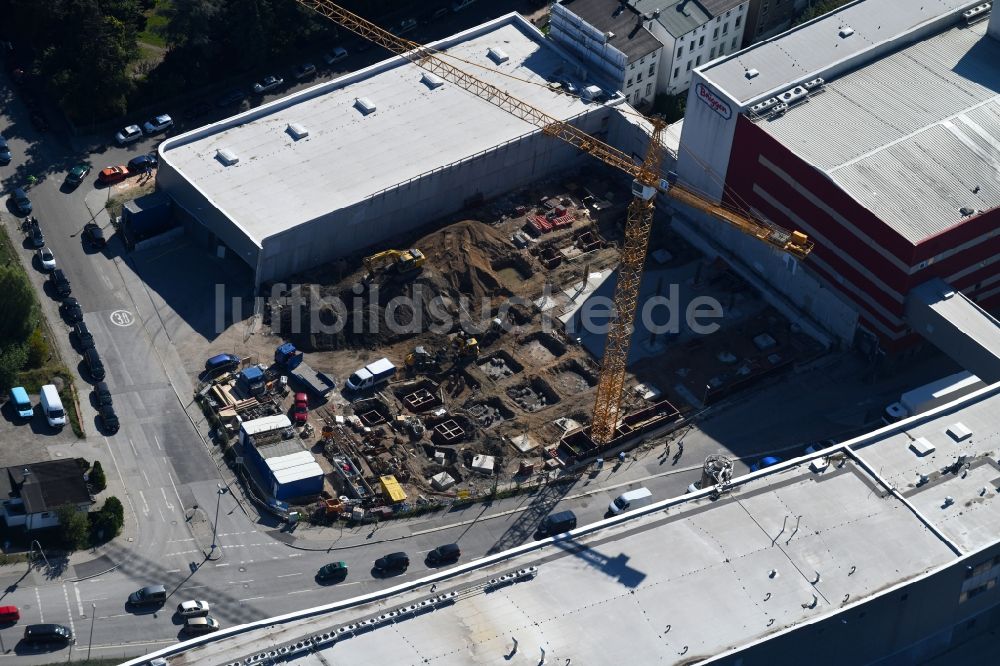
{"points": [[708, 97]]}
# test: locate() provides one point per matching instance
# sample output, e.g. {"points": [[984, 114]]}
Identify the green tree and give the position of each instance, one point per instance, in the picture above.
{"points": [[17, 303], [73, 526], [12, 359], [109, 520], [97, 478], [38, 349]]}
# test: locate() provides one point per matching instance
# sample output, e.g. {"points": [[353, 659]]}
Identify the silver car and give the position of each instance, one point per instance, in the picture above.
{"points": [[194, 608]]}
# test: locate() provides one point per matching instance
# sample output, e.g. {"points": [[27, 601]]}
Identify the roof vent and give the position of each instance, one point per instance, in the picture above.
{"points": [[977, 13], [765, 106], [497, 56], [227, 157], [608, 36], [751, 73], [364, 105], [297, 131], [432, 81], [846, 32], [792, 96]]}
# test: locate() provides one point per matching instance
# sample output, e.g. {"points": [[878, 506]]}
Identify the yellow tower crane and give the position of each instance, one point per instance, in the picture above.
{"points": [[647, 183]]}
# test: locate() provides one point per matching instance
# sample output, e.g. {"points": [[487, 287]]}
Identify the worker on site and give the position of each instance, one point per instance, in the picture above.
{"points": [[621, 456]]}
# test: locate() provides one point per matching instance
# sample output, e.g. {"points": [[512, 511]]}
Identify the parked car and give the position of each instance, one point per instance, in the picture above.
{"points": [[137, 165], [77, 174], [93, 234], [128, 134], [21, 403], [268, 84], [109, 419], [151, 595], [5, 155], [71, 310], [195, 608], [201, 625], [766, 461], [101, 393], [392, 564], [445, 554], [22, 204], [9, 614], [300, 413], [94, 364], [231, 98], [158, 124], [60, 283], [84, 338], [47, 634], [113, 174], [35, 234], [221, 362], [335, 55], [304, 71], [333, 572], [694, 487]]}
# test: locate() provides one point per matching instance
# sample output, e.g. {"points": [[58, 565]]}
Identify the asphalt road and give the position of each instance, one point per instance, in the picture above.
{"points": [[167, 468]]}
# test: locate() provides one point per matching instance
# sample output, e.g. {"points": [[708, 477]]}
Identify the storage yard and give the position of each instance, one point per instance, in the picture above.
{"points": [[493, 384]]}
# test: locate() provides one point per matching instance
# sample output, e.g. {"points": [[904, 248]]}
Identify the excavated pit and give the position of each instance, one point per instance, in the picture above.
{"points": [[542, 348], [499, 365], [533, 395]]}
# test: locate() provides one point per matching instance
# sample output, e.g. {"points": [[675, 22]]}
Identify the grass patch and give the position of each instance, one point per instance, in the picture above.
{"points": [[157, 19], [114, 204], [7, 559], [33, 380]]}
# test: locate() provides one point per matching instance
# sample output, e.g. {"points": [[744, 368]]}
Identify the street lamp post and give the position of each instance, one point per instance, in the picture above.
{"points": [[93, 614], [215, 524]]}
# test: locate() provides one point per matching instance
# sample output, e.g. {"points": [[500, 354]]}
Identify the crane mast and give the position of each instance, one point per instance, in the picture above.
{"points": [[646, 185]]}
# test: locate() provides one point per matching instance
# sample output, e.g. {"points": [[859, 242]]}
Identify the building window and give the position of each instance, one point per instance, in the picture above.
{"points": [[725, 28], [652, 68], [722, 50], [715, 34], [701, 40], [628, 84], [734, 42], [677, 72], [976, 591], [632, 66], [649, 89], [697, 61], [739, 19], [636, 96], [638, 78], [691, 46], [760, 29], [642, 61], [689, 66], [711, 56], [680, 51]]}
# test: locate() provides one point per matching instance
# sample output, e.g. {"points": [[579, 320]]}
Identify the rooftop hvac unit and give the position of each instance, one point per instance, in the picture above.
{"points": [[846, 32], [815, 84], [364, 105], [793, 95], [751, 73], [497, 55], [432, 81], [297, 131], [763, 107], [227, 157], [608, 36], [780, 108], [977, 13]]}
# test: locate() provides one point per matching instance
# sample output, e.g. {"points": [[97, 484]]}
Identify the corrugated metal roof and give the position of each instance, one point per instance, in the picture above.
{"points": [[290, 460], [912, 135], [265, 424], [800, 53], [297, 473]]}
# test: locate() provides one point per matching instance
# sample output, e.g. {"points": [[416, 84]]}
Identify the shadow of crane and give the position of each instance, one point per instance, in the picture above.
{"points": [[526, 525]]}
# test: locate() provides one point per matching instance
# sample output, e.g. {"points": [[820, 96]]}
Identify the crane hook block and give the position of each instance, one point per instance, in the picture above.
{"points": [[643, 191]]}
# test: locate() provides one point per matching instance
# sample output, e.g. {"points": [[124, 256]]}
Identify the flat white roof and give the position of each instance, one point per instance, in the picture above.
{"points": [[782, 547], [349, 155], [265, 424]]}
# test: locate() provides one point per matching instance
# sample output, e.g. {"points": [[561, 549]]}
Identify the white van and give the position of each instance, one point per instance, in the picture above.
{"points": [[633, 499], [52, 406], [371, 375]]}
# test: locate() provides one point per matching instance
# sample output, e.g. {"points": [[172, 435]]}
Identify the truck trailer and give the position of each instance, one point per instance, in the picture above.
{"points": [[927, 397], [292, 361]]}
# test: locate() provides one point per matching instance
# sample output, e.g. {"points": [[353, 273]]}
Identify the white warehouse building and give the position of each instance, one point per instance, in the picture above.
{"points": [[352, 164]]}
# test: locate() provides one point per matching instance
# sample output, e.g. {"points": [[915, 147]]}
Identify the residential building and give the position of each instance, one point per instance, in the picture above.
{"points": [[612, 43], [32, 493]]}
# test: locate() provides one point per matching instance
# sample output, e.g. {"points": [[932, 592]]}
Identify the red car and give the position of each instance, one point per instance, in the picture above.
{"points": [[113, 174], [300, 413]]}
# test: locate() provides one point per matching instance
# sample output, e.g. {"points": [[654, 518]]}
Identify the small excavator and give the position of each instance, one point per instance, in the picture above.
{"points": [[395, 264]]}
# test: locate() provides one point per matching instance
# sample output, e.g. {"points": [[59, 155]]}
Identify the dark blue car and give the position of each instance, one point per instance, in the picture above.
{"points": [[221, 362], [21, 201], [766, 461]]}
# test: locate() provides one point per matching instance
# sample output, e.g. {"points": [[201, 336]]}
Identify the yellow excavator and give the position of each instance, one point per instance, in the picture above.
{"points": [[466, 347], [395, 263]]}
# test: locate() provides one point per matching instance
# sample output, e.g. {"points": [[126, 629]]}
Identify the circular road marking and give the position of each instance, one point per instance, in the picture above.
{"points": [[122, 318]]}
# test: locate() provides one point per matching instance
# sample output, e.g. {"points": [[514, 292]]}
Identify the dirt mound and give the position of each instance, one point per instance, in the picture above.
{"points": [[460, 260]]}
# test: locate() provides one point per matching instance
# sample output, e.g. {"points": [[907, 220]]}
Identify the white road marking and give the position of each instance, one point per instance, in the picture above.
{"points": [[295, 555], [165, 500], [132, 444], [193, 587], [79, 603], [163, 518], [250, 598], [38, 598], [174, 571], [128, 495], [157, 440], [179, 502], [179, 540], [145, 506], [69, 609], [288, 575], [301, 591], [222, 565], [238, 582], [141, 469]]}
